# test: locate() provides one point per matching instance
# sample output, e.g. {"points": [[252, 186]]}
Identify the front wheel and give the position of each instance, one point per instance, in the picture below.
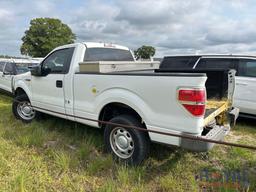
{"points": [[22, 109], [126, 144]]}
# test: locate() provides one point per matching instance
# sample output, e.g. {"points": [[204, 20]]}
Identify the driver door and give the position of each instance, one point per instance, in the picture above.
{"points": [[48, 90]]}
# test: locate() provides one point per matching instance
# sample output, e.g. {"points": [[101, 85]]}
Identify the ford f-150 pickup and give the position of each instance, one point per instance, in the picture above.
{"points": [[196, 103]]}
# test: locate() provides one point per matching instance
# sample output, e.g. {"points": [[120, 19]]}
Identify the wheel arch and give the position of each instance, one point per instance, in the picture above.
{"points": [[19, 91], [113, 109]]}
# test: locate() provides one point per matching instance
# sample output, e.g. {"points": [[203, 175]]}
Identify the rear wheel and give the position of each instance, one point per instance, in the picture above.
{"points": [[126, 144], [22, 108]]}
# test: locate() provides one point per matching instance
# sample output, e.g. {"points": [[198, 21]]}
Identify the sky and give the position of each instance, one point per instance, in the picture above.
{"points": [[171, 26]]}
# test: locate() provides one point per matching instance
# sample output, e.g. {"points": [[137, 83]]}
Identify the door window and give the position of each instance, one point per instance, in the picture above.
{"points": [[58, 61], [9, 68], [247, 68]]}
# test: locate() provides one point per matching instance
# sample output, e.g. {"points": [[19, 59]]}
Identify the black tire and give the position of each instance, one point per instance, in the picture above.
{"points": [[140, 140], [18, 100]]}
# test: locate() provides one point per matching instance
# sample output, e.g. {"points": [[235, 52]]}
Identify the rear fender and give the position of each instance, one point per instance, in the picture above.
{"points": [[119, 95]]}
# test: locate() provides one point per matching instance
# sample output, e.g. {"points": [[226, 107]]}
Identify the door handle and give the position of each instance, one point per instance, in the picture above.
{"points": [[59, 83]]}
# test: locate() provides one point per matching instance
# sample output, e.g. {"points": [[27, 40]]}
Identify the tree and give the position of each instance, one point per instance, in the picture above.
{"points": [[43, 35], [144, 52]]}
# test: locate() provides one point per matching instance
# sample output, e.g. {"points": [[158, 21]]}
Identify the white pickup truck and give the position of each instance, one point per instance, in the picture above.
{"points": [[170, 102], [7, 71]]}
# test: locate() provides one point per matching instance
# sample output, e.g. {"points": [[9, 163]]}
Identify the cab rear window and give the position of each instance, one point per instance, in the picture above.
{"points": [[107, 54]]}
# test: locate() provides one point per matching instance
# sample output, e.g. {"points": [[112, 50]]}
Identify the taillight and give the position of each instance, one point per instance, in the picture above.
{"points": [[193, 100]]}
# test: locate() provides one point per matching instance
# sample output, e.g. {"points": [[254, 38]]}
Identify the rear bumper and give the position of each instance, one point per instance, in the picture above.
{"points": [[216, 133]]}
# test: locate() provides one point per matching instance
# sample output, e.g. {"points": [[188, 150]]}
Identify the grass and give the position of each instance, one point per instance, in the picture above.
{"points": [[58, 155]]}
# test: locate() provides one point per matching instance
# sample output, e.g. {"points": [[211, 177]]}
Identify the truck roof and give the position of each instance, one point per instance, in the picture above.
{"points": [[96, 45], [227, 56], [104, 45]]}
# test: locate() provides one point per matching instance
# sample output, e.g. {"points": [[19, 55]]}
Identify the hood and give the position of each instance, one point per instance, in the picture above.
{"points": [[26, 75]]}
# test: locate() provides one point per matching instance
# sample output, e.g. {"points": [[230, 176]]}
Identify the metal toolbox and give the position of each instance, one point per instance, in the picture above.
{"points": [[114, 66]]}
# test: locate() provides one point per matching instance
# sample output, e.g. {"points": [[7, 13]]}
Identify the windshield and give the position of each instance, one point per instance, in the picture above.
{"points": [[107, 54]]}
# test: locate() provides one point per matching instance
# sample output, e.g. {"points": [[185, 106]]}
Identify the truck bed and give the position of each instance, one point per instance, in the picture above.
{"points": [[147, 92], [216, 86]]}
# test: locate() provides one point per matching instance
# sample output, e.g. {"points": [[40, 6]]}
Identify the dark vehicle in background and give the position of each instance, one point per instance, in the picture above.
{"points": [[245, 67], [7, 71]]}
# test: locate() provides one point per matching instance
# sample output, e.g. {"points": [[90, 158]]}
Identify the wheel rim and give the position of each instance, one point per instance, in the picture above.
{"points": [[121, 142], [25, 110]]}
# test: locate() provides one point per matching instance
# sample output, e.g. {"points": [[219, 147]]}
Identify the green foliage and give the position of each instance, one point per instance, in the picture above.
{"points": [[144, 52], [62, 160], [98, 165], [43, 35]]}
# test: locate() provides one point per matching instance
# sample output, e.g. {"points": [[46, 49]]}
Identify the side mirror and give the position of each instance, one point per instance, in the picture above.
{"points": [[39, 71], [36, 70], [45, 71]]}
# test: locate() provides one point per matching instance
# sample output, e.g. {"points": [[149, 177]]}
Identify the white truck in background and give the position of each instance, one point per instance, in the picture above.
{"points": [[10, 67], [171, 102]]}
